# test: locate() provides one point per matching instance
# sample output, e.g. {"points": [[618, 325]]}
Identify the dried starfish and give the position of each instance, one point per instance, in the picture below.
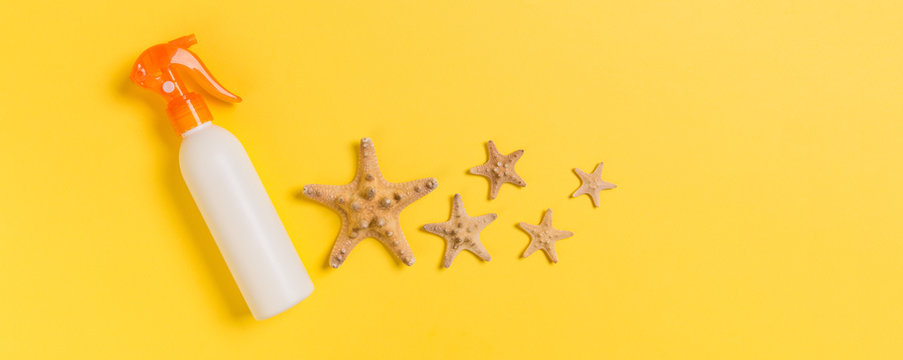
{"points": [[369, 207], [592, 184], [499, 169], [461, 232], [544, 236]]}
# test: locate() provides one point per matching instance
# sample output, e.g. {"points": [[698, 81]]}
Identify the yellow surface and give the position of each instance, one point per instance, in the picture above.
{"points": [[756, 145]]}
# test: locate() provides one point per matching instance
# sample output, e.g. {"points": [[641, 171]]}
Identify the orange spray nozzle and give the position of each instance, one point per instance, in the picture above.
{"points": [[155, 70]]}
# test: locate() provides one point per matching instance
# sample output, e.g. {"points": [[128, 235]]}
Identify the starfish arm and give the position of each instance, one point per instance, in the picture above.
{"points": [[343, 246], [325, 194], [585, 179], [483, 221], [530, 249], [407, 192], [435, 228], [547, 219], [479, 250], [562, 234], [450, 251], [597, 172], [550, 252], [517, 180], [480, 170], [458, 207], [450, 254], [516, 155], [608, 185], [529, 228], [366, 160], [494, 187], [492, 150], [596, 200], [582, 190], [397, 244]]}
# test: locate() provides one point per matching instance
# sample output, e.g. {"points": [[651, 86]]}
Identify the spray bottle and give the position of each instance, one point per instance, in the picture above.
{"points": [[224, 184]]}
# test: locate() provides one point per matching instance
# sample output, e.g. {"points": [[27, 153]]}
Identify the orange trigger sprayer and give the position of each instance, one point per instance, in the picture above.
{"points": [[224, 184], [154, 70]]}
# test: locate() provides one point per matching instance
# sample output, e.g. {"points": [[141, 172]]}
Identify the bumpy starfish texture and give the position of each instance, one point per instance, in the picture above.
{"points": [[499, 169], [461, 232], [369, 207], [592, 184], [544, 236]]}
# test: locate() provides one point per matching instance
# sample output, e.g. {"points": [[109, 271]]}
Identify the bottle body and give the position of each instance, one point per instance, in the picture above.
{"points": [[243, 221]]}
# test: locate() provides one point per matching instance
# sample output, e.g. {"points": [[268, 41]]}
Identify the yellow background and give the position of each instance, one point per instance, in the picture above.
{"points": [[756, 145]]}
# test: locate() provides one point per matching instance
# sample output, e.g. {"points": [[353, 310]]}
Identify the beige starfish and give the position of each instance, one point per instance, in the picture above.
{"points": [[544, 236], [461, 232], [369, 207], [499, 169], [592, 184]]}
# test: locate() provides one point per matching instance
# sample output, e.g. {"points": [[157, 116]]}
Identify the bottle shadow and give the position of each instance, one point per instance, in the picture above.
{"points": [[182, 202]]}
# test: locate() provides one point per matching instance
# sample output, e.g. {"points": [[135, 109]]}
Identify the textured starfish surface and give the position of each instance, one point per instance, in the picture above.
{"points": [[544, 236], [592, 184], [499, 169], [461, 232], [369, 207]]}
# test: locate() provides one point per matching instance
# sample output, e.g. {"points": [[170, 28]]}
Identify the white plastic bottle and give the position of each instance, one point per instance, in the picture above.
{"points": [[225, 185]]}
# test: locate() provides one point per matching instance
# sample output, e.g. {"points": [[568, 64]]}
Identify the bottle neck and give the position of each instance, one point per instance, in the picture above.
{"points": [[187, 112], [197, 129]]}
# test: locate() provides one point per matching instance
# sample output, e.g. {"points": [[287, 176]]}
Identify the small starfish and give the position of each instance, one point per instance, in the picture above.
{"points": [[544, 236], [592, 184], [369, 207], [499, 169], [461, 232]]}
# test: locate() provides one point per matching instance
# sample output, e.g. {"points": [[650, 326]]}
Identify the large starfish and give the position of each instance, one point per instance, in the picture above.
{"points": [[544, 236], [461, 232], [369, 207], [592, 184], [499, 169]]}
